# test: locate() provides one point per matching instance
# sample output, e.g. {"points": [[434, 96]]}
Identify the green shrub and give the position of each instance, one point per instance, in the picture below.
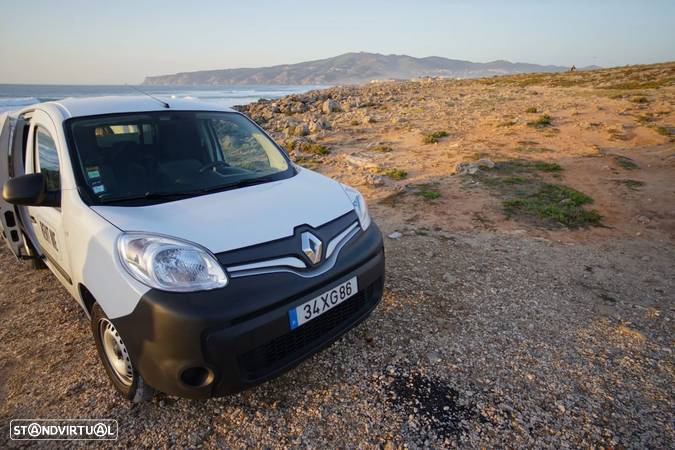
{"points": [[547, 167], [432, 138], [542, 122], [393, 173], [555, 203]]}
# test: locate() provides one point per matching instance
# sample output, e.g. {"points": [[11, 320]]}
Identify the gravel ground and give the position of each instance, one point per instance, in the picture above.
{"points": [[481, 340]]}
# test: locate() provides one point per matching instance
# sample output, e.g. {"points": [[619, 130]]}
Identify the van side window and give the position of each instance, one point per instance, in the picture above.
{"points": [[48, 159]]}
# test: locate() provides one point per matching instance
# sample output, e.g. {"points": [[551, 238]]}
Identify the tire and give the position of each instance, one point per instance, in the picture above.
{"points": [[115, 359]]}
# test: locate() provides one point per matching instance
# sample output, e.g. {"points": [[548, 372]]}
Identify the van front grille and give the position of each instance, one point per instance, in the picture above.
{"points": [[294, 344]]}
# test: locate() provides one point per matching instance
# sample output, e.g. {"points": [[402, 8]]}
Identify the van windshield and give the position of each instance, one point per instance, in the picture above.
{"points": [[162, 156]]}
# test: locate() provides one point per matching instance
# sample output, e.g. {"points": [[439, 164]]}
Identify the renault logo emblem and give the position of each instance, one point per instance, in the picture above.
{"points": [[311, 247]]}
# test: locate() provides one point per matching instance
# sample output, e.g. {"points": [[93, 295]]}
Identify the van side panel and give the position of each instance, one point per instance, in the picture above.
{"points": [[91, 241]]}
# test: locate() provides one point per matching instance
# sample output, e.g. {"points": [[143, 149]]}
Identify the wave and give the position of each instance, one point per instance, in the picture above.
{"points": [[18, 101]]}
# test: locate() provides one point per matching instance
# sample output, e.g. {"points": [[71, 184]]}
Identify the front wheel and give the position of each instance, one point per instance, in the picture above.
{"points": [[116, 360]]}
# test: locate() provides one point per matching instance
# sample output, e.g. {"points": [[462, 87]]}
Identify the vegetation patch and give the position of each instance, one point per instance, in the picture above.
{"points": [[428, 191], [527, 196], [631, 184], [626, 162], [394, 173], [432, 138], [636, 85], [478, 155], [514, 180], [307, 146], [531, 110], [381, 148], [542, 122], [554, 204], [547, 166], [639, 100], [664, 131]]}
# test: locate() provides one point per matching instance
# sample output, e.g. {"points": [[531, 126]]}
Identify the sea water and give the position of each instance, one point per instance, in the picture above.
{"points": [[16, 96]]}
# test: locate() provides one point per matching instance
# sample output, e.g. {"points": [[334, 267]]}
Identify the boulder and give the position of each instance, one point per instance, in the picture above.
{"points": [[471, 168], [298, 107], [319, 124], [465, 168], [485, 163], [373, 179], [360, 162], [330, 106]]}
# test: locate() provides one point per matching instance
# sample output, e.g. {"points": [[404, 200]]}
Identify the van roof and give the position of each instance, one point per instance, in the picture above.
{"points": [[91, 106]]}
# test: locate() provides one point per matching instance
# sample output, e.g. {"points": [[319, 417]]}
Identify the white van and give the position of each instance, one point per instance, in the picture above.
{"points": [[207, 261]]}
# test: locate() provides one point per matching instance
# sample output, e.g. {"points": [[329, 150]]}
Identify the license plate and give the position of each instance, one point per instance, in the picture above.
{"points": [[325, 302]]}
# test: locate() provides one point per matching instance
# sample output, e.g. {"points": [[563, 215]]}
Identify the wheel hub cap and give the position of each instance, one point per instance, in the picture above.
{"points": [[116, 352]]}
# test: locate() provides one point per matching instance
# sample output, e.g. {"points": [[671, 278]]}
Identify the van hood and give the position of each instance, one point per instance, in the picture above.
{"points": [[241, 217]]}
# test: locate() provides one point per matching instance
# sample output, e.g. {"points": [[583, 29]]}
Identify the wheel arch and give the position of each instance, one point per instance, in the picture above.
{"points": [[86, 298]]}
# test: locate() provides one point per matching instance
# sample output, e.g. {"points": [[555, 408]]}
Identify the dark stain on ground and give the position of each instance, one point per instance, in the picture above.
{"points": [[434, 405]]}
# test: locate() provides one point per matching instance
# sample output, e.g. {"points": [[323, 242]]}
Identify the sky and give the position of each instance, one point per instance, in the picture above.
{"points": [[117, 42]]}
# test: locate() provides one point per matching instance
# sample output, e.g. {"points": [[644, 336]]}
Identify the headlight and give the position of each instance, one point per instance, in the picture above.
{"points": [[359, 205], [169, 264]]}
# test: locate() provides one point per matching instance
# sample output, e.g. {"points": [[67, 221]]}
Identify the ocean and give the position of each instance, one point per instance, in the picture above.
{"points": [[15, 96]]}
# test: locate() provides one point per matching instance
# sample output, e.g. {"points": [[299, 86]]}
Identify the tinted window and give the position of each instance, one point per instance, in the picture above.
{"points": [[48, 159], [131, 156]]}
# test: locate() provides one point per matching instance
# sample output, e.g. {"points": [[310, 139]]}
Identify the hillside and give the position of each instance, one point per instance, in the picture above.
{"points": [[608, 134], [351, 68]]}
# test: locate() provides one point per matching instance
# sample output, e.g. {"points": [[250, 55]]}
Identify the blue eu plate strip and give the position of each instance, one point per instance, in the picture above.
{"points": [[293, 317]]}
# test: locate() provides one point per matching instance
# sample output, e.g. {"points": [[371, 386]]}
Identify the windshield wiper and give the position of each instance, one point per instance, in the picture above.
{"points": [[151, 195], [243, 183], [160, 195]]}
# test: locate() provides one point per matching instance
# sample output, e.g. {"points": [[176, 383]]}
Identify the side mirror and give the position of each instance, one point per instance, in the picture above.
{"points": [[30, 190]]}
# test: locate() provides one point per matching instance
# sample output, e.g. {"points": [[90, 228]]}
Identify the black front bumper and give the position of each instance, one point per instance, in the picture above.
{"points": [[241, 333]]}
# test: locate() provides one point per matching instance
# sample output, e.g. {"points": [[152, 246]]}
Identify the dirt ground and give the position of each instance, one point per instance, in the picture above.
{"points": [[498, 327]]}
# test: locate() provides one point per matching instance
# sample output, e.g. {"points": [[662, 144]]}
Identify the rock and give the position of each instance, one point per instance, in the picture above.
{"points": [[485, 163], [301, 130], [433, 357], [374, 180], [358, 161], [465, 168], [298, 155], [317, 125], [450, 278], [367, 120], [330, 106], [395, 235], [298, 107]]}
